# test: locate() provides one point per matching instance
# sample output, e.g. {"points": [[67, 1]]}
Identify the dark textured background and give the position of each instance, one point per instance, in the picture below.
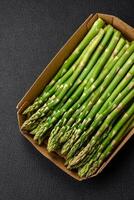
{"points": [[31, 32]]}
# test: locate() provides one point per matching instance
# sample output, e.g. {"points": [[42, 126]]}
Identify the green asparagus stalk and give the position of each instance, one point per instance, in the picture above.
{"points": [[50, 92], [33, 132], [99, 133], [119, 46], [116, 137], [66, 65], [34, 126]]}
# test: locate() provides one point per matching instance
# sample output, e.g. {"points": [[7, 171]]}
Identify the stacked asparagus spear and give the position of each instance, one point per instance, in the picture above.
{"points": [[87, 108]]}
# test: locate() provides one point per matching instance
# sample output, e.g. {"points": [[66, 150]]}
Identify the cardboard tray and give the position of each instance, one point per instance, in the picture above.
{"points": [[51, 70]]}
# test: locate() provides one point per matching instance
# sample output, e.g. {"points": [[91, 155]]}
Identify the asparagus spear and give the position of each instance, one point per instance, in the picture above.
{"points": [[116, 137], [34, 126], [99, 133], [33, 132], [119, 46], [99, 23]]}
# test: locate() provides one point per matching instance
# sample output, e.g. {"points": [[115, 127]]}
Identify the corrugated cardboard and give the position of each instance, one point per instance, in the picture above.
{"points": [[51, 70]]}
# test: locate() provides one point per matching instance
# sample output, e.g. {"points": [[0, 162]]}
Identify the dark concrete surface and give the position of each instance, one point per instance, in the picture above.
{"points": [[31, 32]]}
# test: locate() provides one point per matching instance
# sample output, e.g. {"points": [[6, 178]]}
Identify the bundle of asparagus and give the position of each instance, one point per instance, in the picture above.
{"points": [[87, 108]]}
